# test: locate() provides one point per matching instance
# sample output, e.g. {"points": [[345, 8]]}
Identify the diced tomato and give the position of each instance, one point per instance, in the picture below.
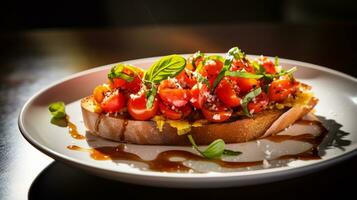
{"points": [[211, 69], [245, 84], [117, 83], [113, 103], [198, 95], [280, 89], [239, 65], [216, 112], [186, 80], [172, 95], [131, 87], [269, 67], [267, 64], [259, 103], [227, 93], [138, 110], [173, 112]]}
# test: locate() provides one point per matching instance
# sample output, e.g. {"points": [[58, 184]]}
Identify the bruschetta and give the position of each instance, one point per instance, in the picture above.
{"points": [[210, 97]]}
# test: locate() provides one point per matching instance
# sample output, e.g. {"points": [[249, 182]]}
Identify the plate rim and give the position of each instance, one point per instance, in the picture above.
{"points": [[183, 176]]}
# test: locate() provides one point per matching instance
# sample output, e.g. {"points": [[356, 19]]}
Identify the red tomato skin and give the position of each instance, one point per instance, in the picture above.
{"points": [[239, 65], [211, 70], [185, 80], [227, 94], [198, 95], [177, 114], [137, 108], [221, 114], [113, 103], [245, 84], [131, 87], [260, 103], [280, 89], [170, 94], [269, 67]]}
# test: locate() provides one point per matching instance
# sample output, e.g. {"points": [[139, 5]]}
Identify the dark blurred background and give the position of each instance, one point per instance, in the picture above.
{"points": [[22, 15]]}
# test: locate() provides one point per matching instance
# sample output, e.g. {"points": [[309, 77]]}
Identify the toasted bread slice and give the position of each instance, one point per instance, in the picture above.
{"points": [[146, 132]]}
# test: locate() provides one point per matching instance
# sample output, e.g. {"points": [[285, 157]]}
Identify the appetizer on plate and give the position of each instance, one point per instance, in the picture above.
{"points": [[197, 100]]}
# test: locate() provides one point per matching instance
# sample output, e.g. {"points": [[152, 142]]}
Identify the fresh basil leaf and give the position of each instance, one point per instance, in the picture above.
{"points": [[242, 74], [247, 98], [168, 66], [228, 152], [117, 72], [151, 96], [214, 150], [57, 109], [276, 61], [233, 53]]}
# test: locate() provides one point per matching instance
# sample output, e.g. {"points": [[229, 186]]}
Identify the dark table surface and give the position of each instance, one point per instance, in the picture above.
{"points": [[31, 60]]}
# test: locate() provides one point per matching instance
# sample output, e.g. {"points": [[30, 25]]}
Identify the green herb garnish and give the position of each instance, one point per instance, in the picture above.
{"points": [[247, 98], [117, 72], [58, 112], [57, 109], [233, 53], [167, 67], [281, 73], [214, 150], [276, 61], [243, 74], [151, 94]]}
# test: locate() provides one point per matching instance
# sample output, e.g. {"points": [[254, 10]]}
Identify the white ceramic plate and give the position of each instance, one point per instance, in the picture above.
{"points": [[337, 107]]}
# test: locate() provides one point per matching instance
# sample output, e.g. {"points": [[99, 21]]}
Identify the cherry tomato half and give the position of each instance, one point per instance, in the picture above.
{"points": [[131, 87], [211, 69], [280, 89], [198, 95], [259, 104], [186, 80], [173, 112], [172, 95], [216, 112], [240, 64], [113, 103], [138, 110], [269, 67], [227, 93], [245, 84]]}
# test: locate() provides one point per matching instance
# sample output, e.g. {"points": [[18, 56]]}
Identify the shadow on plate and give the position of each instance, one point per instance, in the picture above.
{"points": [[59, 181], [335, 136]]}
